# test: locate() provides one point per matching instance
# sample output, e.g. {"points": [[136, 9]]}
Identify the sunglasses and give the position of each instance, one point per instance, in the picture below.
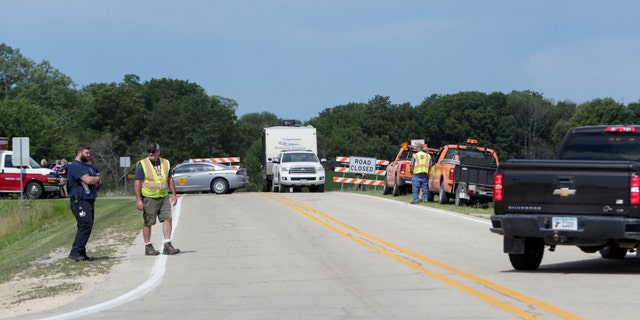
{"points": [[153, 151]]}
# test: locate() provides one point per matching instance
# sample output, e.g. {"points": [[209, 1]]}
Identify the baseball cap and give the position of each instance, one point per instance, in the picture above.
{"points": [[153, 147]]}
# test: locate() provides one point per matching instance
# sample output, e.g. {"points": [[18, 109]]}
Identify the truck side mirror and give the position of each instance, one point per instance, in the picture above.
{"points": [[323, 160]]}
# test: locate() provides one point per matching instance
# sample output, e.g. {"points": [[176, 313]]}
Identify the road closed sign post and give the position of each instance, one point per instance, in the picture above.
{"points": [[362, 165]]}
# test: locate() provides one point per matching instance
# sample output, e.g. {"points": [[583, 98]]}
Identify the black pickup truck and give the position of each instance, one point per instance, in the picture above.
{"points": [[589, 197]]}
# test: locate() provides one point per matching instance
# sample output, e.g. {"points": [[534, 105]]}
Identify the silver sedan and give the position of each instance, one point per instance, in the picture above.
{"points": [[209, 177]]}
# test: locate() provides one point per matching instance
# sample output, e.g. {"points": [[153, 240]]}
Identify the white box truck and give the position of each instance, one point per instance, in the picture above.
{"points": [[277, 139]]}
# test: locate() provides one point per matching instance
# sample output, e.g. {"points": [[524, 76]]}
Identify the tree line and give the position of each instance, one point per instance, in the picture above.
{"points": [[120, 119]]}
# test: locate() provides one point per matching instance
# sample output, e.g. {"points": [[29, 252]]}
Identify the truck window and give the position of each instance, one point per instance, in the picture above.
{"points": [[7, 161], [598, 146]]}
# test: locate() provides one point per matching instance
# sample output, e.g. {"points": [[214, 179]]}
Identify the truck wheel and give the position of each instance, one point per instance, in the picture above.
{"points": [[532, 256], [219, 186], [459, 200], [33, 190], [443, 197], [613, 252], [320, 188], [385, 189], [396, 188]]}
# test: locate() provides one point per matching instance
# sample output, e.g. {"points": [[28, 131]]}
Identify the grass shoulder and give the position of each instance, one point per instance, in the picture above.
{"points": [[35, 241]]}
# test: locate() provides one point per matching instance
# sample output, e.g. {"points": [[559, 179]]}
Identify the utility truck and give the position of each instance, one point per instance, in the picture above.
{"points": [[278, 140], [37, 182]]}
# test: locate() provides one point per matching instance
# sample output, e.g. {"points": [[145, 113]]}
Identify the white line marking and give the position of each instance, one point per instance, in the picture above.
{"points": [[156, 275]]}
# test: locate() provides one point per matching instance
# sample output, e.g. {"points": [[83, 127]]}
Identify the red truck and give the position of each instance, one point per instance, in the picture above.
{"points": [[37, 182]]}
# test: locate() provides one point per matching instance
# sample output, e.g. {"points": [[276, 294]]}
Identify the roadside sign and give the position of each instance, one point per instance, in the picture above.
{"points": [[125, 162], [362, 165], [417, 142], [20, 147]]}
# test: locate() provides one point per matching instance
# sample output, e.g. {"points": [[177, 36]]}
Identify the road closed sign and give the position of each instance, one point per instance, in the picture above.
{"points": [[362, 165]]}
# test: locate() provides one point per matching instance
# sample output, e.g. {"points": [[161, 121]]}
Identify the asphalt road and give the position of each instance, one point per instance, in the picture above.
{"points": [[347, 256]]}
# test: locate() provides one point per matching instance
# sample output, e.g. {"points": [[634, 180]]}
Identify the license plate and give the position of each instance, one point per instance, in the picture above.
{"points": [[563, 223]]}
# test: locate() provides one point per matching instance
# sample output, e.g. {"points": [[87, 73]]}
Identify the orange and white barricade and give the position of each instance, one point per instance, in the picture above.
{"points": [[224, 160], [359, 180]]}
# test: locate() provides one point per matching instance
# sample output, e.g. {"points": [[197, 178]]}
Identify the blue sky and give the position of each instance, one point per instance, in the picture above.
{"points": [[297, 58]]}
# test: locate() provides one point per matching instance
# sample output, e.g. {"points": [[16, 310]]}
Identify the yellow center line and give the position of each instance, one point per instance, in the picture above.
{"points": [[314, 214]]}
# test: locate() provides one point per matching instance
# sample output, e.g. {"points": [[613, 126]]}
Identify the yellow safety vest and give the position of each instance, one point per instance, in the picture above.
{"points": [[421, 162], [155, 183]]}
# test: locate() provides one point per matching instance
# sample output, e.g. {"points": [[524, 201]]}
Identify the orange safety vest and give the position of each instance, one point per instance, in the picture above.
{"points": [[421, 162], [155, 183]]}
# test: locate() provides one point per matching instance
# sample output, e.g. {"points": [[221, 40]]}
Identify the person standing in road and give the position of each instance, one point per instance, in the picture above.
{"points": [[419, 170], [83, 193], [153, 181]]}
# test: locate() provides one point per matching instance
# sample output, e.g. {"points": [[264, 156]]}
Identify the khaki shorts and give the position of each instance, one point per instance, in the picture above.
{"points": [[156, 209]]}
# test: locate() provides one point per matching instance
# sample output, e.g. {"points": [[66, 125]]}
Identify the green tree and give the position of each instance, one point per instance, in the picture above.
{"points": [[601, 111], [19, 118], [14, 68]]}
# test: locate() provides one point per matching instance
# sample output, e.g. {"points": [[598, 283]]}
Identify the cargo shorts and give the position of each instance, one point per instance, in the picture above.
{"points": [[156, 209]]}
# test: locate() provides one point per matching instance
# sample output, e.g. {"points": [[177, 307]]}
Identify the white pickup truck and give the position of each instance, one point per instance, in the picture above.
{"points": [[294, 169]]}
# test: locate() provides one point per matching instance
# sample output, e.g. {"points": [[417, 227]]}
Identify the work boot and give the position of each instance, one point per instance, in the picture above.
{"points": [[150, 251], [169, 249]]}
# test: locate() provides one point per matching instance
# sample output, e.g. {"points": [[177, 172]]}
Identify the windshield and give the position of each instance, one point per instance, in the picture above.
{"points": [[461, 154], [299, 157], [8, 162], [598, 146]]}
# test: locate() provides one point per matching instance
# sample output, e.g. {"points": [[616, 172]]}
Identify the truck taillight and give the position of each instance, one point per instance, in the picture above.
{"points": [[634, 190], [621, 129], [403, 168], [497, 187], [452, 172]]}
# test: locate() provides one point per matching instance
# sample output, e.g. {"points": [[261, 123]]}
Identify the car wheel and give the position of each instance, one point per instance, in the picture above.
{"points": [[396, 188], [613, 252], [443, 197], [385, 189], [459, 200], [532, 256], [219, 186], [33, 190]]}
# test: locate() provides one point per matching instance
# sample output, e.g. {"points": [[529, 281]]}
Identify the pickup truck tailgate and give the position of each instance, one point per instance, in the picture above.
{"points": [[565, 187]]}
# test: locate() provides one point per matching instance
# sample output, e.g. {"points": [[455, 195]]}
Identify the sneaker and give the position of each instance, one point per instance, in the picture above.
{"points": [[414, 202], [150, 251], [169, 249]]}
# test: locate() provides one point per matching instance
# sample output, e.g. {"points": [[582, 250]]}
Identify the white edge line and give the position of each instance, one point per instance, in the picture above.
{"points": [[155, 277]]}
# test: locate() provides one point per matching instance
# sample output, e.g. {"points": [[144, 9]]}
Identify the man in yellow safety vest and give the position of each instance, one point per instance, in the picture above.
{"points": [[153, 182], [419, 170]]}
